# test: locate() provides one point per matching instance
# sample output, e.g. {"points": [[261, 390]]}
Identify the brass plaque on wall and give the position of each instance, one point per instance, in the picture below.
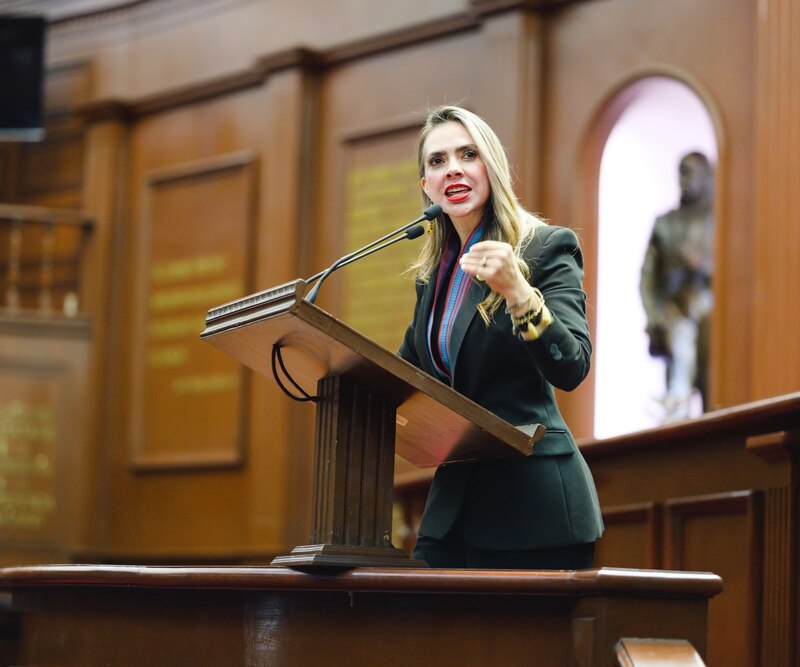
{"points": [[30, 399], [382, 192], [195, 251]]}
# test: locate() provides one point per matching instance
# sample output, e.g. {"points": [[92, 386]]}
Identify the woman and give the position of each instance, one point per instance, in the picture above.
{"points": [[500, 317]]}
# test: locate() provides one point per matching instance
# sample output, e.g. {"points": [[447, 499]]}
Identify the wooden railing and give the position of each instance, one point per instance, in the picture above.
{"points": [[719, 494], [41, 253]]}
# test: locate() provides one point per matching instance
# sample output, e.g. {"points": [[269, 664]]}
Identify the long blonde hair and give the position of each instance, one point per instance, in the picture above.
{"points": [[504, 217]]}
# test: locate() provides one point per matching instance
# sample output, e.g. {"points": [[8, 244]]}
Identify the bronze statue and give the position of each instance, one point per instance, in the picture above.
{"points": [[676, 286]]}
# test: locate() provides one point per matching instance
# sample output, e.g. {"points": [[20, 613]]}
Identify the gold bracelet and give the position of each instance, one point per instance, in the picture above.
{"points": [[510, 308], [533, 331], [530, 317]]}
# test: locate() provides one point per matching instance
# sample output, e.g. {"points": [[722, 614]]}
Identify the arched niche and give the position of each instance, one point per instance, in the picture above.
{"points": [[634, 150]]}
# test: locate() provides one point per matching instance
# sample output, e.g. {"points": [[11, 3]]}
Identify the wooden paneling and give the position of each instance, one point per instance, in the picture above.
{"points": [[50, 172], [779, 610], [633, 536], [104, 193], [728, 485], [195, 192], [717, 493], [43, 446], [512, 87], [380, 180], [33, 396], [99, 615], [168, 48], [723, 534], [776, 269], [180, 212], [196, 242]]}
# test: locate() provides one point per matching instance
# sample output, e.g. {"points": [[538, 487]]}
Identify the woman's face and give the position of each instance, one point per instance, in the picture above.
{"points": [[455, 175]]}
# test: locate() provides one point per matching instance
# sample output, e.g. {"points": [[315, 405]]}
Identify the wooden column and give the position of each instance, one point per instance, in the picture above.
{"points": [[776, 355], [286, 179], [512, 88], [105, 199], [779, 614]]}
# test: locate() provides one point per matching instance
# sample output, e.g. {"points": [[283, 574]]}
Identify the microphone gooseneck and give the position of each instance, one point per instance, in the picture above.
{"points": [[410, 230]]}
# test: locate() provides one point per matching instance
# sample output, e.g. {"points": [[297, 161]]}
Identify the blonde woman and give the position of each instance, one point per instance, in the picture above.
{"points": [[500, 316]]}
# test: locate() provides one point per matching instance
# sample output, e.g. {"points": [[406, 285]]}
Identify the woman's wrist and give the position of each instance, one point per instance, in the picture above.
{"points": [[520, 301]]}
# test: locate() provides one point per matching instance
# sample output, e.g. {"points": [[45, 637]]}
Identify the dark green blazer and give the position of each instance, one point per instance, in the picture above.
{"points": [[547, 499]]}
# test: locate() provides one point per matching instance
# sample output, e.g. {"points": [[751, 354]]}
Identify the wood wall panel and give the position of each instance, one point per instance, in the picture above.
{"points": [[282, 446], [633, 536], [722, 534], [50, 172], [776, 269], [43, 439], [379, 177], [152, 46], [779, 599], [511, 85], [30, 417], [158, 143], [104, 194], [780, 585], [196, 248], [241, 511], [729, 487]]}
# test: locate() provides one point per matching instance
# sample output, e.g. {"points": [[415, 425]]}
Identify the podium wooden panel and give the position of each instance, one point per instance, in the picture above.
{"points": [[370, 404], [101, 615]]}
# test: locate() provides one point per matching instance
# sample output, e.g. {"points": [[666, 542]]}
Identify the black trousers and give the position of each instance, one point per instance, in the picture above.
{"points": [[453, 552]]}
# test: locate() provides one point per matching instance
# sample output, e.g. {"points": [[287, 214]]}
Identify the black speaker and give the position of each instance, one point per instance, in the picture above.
{"points": [[21, 78]]}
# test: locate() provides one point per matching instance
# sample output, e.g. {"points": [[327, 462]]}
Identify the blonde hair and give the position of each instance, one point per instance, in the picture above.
{"points": [[504, 217]]}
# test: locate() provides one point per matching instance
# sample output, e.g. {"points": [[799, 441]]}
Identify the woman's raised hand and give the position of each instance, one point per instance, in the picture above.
{"points": [[494, 262]]}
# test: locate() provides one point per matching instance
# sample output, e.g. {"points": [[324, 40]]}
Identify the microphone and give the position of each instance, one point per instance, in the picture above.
{"points": [[412, 230]]}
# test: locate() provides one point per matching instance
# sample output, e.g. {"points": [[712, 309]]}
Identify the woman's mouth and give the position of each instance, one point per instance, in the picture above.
{"points": [[457, 193]]}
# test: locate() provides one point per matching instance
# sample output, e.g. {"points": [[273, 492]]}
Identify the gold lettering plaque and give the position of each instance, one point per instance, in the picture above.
{"points": [[196, 255], [28, 500], [383, 192]]}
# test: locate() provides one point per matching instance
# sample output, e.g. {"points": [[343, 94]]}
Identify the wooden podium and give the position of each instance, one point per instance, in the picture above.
{"points": [[370, 404]]}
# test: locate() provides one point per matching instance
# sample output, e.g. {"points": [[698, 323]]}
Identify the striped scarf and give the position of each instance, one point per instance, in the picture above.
{"points": [[456, 290]]}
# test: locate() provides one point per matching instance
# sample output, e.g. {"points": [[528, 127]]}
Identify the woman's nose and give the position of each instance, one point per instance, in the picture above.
{"points": [[453, 167]]}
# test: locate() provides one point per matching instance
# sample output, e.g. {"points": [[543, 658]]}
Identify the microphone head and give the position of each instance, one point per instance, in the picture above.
{"points": [[415, 232], [433, 211]]}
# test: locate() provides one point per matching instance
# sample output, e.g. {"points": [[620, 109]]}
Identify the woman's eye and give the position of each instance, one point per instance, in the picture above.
{"points": [[470, 154], [436, 159]]}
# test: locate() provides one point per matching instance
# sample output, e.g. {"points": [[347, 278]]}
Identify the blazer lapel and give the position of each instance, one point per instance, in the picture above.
{"points": [[475, 294], [421, 328]]}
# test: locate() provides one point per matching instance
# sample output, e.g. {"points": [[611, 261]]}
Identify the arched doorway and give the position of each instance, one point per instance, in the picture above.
{"points": [[662, 121]]}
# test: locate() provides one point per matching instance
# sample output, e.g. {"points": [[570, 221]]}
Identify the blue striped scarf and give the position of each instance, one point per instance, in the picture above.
{"points": [[454, 296]]}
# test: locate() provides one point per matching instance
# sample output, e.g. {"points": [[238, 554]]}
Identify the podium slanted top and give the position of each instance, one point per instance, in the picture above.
{"points": [[435, 424]]}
